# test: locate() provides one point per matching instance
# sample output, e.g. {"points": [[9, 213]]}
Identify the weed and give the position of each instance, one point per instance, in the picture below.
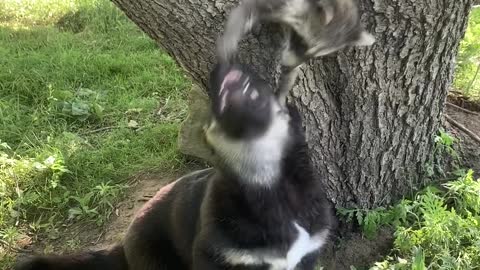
{"points": [[73, 244], [443, 153], [439, 229]]}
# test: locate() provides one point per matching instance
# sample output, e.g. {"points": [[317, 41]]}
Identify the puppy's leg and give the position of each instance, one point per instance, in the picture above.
{"points": [[309, 262], [202, 260]]}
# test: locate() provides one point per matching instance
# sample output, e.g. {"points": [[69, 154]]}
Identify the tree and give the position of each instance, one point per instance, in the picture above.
{"points": [[370, 113]]}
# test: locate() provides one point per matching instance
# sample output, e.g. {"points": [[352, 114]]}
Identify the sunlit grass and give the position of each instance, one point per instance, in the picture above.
{"points": [[467, 77], [83, 106], [39, 12]]}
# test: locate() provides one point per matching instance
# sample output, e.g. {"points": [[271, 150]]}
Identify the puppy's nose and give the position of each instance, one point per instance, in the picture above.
{"points": [[233, 98], [231, 77]]}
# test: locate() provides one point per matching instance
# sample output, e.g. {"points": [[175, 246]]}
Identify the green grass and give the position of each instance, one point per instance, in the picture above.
{"points": [[467, 76], [86, 100]]}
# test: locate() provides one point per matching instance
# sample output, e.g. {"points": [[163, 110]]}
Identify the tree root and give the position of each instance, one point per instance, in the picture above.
{"points": [[462, 109], [470, 133], [12, 248]]}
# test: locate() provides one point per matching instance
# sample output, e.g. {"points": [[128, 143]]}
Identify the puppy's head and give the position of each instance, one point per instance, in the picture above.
{"points": [[249, 127], [243, 104]]}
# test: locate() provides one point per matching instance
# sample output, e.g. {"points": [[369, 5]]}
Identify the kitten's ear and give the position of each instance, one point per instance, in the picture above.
{"points": [[365, 39], [327, 11]]}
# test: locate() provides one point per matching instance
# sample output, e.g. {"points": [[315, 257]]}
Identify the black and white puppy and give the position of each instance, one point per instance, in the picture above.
{"points": [[313, 28], [261, 207]]}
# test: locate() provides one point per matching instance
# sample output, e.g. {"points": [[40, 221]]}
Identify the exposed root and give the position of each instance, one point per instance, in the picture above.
{"points": [[470, 133], [462, 109]]}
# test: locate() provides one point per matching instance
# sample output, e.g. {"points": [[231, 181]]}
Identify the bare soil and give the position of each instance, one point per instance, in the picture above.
{"points": [[469, 148], [145, 189], [456, 97], [82, 236]]}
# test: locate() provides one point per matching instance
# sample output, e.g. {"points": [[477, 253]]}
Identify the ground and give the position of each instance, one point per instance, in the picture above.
{"points": [[82, 236], [469, 147]]}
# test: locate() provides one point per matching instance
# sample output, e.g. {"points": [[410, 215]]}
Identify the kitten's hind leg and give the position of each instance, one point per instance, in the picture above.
{"points": [[292, 59], [287, 80], [239, 22]]}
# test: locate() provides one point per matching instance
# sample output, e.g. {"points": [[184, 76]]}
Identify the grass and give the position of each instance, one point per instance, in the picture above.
{"points": [[467, 77], [86, 100]]}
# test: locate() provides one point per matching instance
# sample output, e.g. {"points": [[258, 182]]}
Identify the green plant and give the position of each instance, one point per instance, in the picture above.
{"points": [[24, 182], [439, 229], [443, 151], [73, 244], [102, 197], [444, 144], [82, 105], [371, 220]]}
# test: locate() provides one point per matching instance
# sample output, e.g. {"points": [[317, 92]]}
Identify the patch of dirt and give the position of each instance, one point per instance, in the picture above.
{"points": [[469, 120], [82, 236], [469, 148], [353, 249], [457, 98], [140, 194]]}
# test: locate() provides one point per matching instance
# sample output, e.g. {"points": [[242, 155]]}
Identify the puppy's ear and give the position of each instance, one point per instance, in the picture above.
{"points": [[364, 39]]}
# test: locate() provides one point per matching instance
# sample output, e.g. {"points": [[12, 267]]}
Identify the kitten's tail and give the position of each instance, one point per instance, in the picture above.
{"points": [[107, 259]]}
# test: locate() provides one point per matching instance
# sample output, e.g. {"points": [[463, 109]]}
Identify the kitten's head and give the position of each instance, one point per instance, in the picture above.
{"points": [[342, 27], [324, 27]]}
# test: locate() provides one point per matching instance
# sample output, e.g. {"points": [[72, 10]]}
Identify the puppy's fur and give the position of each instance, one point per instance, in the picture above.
{"points": [[261, 207]]}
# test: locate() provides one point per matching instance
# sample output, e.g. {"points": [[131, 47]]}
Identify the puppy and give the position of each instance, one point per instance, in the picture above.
{"points": [[261, 207]]}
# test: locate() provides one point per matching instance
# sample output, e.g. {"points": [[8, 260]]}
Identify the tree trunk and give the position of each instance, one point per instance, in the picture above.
{"points": [[370, 113]]}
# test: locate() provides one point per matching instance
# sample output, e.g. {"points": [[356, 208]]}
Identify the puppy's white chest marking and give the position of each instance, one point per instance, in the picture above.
{"points": [[303, 245]]}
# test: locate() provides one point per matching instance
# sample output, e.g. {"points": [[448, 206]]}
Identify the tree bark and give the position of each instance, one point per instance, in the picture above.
{"points": [[370, 113]]}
